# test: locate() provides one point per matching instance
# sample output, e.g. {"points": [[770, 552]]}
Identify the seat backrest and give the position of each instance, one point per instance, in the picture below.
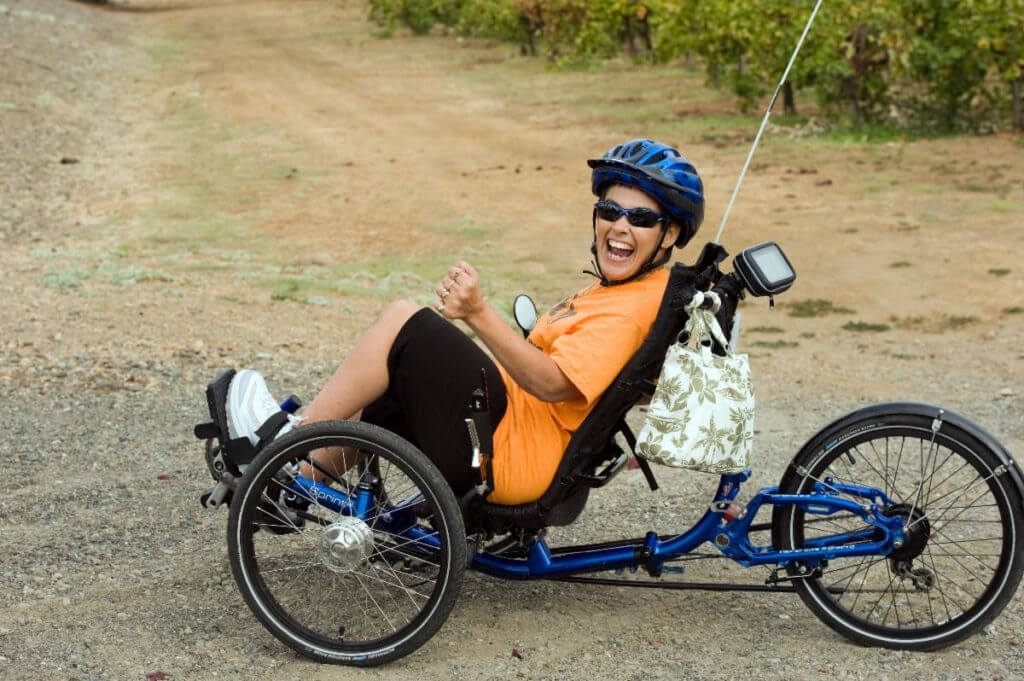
{"points": [[589, 444]]}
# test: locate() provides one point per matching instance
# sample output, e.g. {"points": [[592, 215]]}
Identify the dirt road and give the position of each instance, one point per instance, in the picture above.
{"points": [[247, 182]]}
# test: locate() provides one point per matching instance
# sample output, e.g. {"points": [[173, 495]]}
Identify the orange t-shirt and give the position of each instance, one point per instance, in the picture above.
{"points": [[590, 336]]}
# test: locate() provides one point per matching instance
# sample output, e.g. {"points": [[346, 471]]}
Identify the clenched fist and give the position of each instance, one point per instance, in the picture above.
{"points": [[459, 292]]}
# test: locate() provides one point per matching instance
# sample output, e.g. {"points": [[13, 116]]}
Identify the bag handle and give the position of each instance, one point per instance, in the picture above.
{"points": [[702, 322]]}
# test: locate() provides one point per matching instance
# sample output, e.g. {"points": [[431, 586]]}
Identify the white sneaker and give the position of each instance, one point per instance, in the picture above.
{"points": [[250, 404]]}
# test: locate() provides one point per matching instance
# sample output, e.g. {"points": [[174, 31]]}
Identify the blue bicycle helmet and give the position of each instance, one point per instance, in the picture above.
{"points": [[662, 173], [658, 170]]}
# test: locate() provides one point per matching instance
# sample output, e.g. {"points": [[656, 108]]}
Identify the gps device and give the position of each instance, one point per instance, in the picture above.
{"points": [[764, 268]]}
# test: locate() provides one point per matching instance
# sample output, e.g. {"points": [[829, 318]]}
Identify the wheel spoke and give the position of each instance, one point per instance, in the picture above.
{"points": [[374, 600], [938, 585], [951, 555], [332, 578]]}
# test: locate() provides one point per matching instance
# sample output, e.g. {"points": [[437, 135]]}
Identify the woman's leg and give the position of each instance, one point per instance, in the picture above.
{"points": [[361, 379]]}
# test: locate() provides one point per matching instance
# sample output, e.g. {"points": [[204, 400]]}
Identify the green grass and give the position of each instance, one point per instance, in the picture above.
{"points": [[1002, 206], [66, 279], [845, 135], [999, 271], [937, 324], [900, 263], [865, 326], [129, 275], [955, 322], [764, 329], [807, 334], [815, 307], [1016, 309], [298, 291], [775, 345], [52, 253]]}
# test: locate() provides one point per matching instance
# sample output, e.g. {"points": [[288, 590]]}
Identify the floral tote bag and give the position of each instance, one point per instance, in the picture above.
{"points": [[702, 414]]}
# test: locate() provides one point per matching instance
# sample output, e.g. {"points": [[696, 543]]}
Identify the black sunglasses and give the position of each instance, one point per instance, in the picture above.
{"points": [[606, 209]]}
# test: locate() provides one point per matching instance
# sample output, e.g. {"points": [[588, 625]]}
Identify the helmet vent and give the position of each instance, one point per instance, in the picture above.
{"points": [[636, 149], [660, 156]]}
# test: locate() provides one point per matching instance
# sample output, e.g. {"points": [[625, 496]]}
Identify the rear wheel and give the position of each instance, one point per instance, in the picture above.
{"points": [[962, 558], [360, 584]]}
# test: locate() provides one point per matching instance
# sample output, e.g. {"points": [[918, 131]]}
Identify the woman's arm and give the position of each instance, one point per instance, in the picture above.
{"points": [[531, 369], [535, 372]]}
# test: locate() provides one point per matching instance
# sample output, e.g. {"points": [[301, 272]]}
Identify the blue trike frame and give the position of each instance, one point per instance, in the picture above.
{"points": [[725, 525]]}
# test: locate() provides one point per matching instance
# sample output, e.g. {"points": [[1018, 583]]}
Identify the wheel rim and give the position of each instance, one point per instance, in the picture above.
{"points": [[934, 585], [341, 585]]}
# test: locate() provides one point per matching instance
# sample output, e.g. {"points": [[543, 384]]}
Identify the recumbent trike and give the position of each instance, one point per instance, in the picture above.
{"points": [[899, 525]]}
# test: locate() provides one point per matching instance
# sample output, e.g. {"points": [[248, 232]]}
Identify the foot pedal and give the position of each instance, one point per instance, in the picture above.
{"points": [[207, 430], [217, 400], [215, 496]]}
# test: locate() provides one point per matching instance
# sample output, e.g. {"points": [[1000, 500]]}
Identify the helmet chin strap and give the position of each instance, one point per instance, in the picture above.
{"points": [[644, 269]]}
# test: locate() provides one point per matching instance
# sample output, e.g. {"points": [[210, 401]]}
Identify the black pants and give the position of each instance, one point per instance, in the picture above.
{"points": [[433, 369]]}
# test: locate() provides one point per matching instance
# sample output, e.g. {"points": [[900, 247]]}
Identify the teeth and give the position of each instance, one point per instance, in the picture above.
{"points": [[618, 244]]}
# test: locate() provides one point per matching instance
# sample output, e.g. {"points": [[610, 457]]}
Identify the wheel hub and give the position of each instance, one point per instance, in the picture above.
{"points": [[916, 531], [346, 544]]}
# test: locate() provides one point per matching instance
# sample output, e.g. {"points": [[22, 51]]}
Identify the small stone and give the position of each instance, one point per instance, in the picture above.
{"points": [[783, 616], [122, 616], [989, 630], [1007, 392]]}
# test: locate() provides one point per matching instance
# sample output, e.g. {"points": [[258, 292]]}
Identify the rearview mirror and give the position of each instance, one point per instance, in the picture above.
{"points": [[525, 312]]}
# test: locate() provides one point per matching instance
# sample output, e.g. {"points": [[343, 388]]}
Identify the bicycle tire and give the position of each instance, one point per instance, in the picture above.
{"points": [[941, 578], [290, 617]]}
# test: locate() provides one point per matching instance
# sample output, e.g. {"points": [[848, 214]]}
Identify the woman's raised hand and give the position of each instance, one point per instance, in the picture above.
{"points": [[459, 292]]}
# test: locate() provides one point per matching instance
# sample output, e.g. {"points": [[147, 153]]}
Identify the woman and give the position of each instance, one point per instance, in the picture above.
{"points": [[413, 373]]}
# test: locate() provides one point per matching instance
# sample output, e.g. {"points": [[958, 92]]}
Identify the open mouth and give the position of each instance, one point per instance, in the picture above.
{"points": [[618, 251]]}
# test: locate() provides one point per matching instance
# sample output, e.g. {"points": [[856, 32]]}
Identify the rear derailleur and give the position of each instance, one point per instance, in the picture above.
{"points": [[922, 578]]}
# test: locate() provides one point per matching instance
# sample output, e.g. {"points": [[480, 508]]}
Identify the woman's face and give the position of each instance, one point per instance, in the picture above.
{"points": [[623, 248]]}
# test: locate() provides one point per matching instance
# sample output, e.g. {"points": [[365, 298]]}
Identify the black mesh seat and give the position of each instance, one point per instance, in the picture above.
{"points": [[593, 443]]}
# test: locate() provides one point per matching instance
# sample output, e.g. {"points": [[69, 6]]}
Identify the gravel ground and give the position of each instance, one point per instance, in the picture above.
{"points": [[112, 570], [109, 568]]}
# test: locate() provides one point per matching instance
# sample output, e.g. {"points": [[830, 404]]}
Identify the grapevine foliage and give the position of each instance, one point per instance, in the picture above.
{"points": [[926, 64]]}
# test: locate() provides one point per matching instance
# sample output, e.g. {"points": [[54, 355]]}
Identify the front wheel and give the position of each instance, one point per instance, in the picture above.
{"points": [[964, 526], [360, 569]]}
